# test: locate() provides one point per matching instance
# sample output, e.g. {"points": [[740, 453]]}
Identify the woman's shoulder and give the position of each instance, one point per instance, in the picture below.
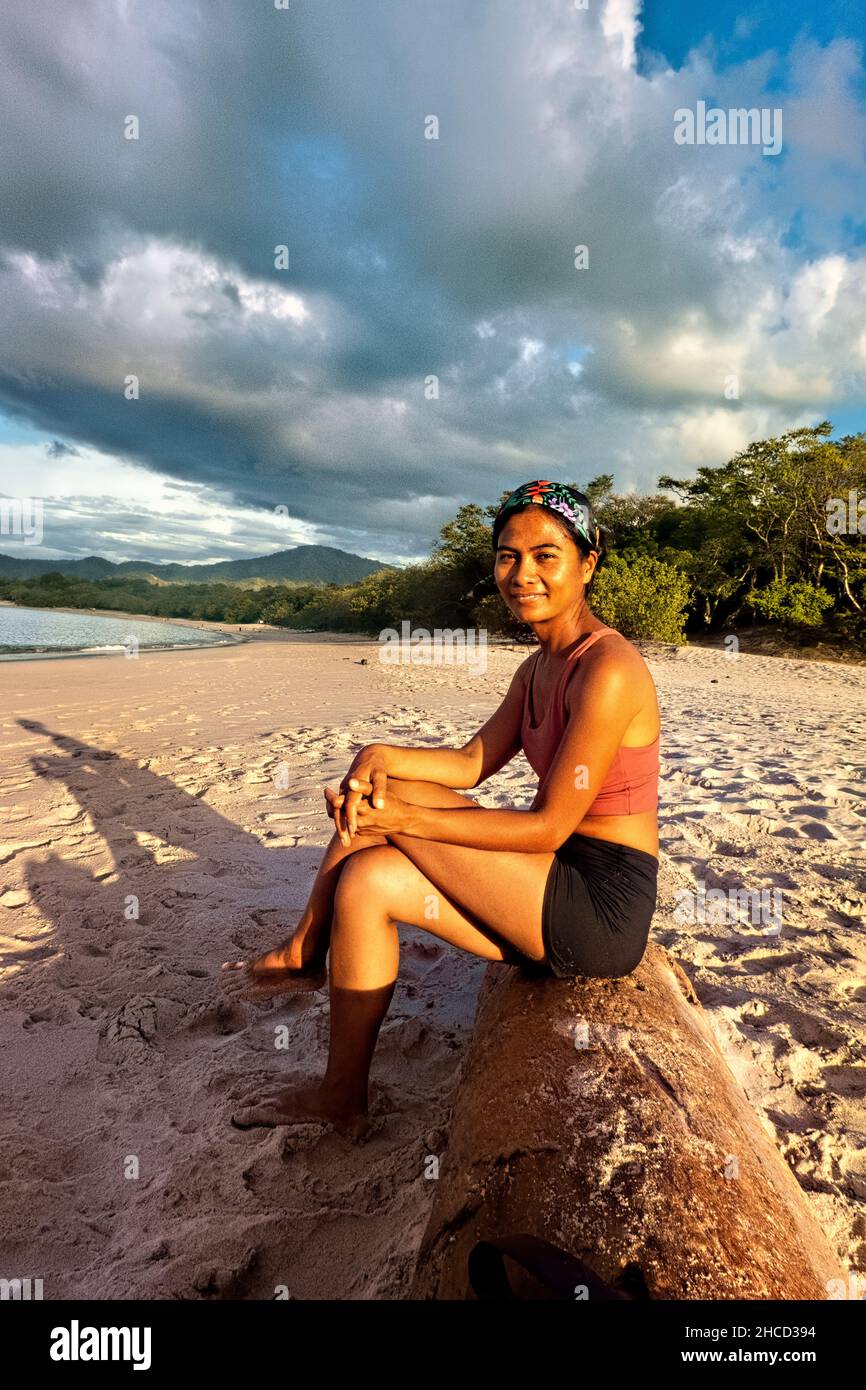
{"points": [[616, 647], [614, 655], [617, 671]]}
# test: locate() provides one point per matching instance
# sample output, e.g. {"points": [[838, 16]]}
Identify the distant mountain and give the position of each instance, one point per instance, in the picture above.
{"points": [[305, 563]]}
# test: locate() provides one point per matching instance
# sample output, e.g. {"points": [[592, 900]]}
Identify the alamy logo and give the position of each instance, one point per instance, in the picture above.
{"points": [[846, 518], [23, 1289], [738, 126], [21, 518], [76, 1343], [720, 907], [417, 646]]}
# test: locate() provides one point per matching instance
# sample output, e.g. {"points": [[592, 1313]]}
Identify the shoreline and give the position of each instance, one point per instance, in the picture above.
{"points": [[61, 653], [236, 633], [753, 641]]}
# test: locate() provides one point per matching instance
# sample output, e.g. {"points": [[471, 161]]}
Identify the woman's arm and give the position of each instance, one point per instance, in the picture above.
{"points": [[476, 826], [495, 744], [374, 764], [451, 767], [473, 826]]}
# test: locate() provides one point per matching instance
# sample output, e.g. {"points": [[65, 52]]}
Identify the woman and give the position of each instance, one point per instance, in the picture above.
{"points": [[568, 884]]}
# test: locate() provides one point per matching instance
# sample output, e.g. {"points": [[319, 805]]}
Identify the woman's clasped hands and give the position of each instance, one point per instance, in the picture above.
{"points": [[364, 805]]}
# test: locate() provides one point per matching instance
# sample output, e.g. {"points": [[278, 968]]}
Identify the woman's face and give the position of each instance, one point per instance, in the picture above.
{"points": [[538, 568]]}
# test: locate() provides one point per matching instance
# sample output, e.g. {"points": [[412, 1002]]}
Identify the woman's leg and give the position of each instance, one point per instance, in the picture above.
{"points": [[499, 918], [302, 957]]}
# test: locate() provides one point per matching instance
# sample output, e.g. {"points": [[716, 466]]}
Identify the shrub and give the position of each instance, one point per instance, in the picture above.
{"points": [[794, 603], [642, 598]]}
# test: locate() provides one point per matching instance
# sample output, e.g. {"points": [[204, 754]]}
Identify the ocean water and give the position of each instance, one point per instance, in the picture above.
{"points": [[29, 633]]}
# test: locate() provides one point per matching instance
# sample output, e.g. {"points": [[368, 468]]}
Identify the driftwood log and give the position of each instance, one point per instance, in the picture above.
{"points": [[602, 1116]]}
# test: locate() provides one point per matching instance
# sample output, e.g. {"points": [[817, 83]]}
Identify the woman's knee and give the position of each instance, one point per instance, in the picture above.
{"points": [[368, 871]]}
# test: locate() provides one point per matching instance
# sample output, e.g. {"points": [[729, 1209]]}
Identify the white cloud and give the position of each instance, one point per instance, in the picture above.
{"points": [[620, 26], [130, 512], [815, 292]]}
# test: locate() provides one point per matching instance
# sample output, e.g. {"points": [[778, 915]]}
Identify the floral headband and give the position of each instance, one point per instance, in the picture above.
{"points": [[559, 497]]}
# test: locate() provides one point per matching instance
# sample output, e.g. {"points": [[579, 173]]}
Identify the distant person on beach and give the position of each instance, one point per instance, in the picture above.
{"points": [[566, 886]]}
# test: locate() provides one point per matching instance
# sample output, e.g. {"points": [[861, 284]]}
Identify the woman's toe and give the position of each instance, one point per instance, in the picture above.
{"points": [[251, 1116]]}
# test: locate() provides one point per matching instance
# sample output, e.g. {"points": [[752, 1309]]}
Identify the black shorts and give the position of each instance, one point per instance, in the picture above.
{"points": [[599, 902]]}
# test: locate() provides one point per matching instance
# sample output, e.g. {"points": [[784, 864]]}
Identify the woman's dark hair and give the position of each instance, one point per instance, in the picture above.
{"points": [[563, 524]]}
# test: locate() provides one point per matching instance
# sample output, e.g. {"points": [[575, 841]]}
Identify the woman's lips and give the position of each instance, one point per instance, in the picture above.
{"points": [[528, 598]]}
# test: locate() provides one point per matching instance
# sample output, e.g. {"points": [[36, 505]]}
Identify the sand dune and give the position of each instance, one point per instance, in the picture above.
{"points": [[159, 779]]}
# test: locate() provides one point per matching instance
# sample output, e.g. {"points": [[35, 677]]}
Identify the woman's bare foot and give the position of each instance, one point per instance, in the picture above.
{"points": [[300, 1105], [290, 968]]}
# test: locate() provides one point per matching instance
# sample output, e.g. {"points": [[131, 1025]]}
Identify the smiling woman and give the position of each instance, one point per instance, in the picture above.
{"points": [[599, 733], [568, 885]]}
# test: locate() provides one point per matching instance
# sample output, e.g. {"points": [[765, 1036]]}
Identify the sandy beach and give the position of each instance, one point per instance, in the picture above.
{"points": [[152, 780]]}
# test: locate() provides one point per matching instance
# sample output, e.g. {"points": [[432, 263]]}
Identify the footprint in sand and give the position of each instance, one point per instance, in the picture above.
{"points": [[817, 831], [846, 1081], [223, 1018], [765, 965]]}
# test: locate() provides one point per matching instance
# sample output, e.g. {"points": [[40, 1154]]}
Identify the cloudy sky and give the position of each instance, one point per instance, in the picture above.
{"points": [[306, 387]]}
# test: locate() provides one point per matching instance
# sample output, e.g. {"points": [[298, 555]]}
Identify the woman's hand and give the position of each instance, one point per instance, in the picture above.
{"points": [[367, 776], [334, 803], [389, 819]]}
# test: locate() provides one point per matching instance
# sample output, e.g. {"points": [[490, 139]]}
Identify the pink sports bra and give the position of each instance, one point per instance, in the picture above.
{"points": [[631, 784]]}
